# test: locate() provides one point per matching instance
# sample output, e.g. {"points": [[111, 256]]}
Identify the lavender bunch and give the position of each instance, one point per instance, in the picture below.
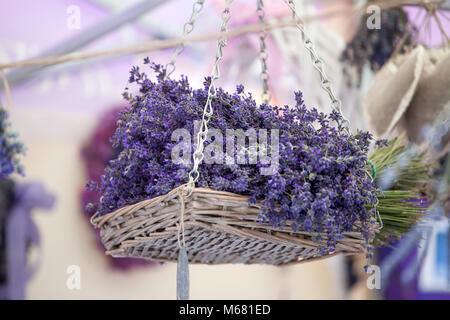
{"points": [[95, 155], [10, 148], [321, 185], [406, 176], [375, 45]]}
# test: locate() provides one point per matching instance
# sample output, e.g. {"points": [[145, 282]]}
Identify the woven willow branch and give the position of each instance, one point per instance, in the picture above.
{"points": [[220, 227]]}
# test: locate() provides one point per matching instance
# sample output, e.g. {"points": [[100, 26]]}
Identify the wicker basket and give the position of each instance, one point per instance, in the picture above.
{"points": [[218, 227]]}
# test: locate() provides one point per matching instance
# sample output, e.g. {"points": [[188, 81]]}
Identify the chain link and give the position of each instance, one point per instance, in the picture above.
{"points": [[326, 84], [263, 55], [208, 109], [318, 65], [187, 29]]}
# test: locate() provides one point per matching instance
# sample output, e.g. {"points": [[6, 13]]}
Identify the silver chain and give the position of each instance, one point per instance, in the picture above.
{"points": [[187, 29], [326, 84], [208, 109], [318, 64], [263, 55]]}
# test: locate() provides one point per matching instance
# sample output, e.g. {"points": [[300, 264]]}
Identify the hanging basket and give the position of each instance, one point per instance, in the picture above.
{"points": [[219, 227]]}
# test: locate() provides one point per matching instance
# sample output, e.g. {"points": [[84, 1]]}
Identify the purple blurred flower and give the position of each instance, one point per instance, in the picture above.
{"points": [[10, 148], [96, 153]]}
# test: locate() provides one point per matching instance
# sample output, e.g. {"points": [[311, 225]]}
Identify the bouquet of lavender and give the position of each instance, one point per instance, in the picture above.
{"points": [[321, 182], [375, 46], [10, 148], [403, 176], [96, 154]]}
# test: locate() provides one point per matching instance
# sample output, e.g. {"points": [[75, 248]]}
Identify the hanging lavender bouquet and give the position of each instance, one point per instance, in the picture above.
{"points": [[10, 148], [322, 183], [376, 46], [95, 154]]}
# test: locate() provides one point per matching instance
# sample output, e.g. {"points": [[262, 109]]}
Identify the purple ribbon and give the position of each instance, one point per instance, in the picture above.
{"points": [[21, 232]]}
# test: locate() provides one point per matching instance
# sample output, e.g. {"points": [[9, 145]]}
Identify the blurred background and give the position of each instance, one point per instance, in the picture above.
{"points": [[64, 114]]}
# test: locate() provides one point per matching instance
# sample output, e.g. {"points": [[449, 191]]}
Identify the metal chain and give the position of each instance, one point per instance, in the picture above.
{"points": [[208, 109], [187, 29], [326, 84], [318, 65], [263, 55]]}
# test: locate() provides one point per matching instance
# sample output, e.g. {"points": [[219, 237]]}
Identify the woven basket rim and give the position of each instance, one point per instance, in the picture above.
{"points": [[116, 253], [100, 220]]}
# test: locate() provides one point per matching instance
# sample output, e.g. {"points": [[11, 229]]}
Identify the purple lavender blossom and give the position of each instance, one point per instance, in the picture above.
{"points": [[95, 155], [10, 148]]}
